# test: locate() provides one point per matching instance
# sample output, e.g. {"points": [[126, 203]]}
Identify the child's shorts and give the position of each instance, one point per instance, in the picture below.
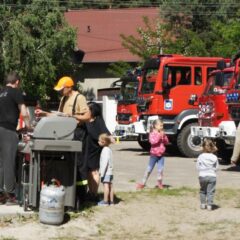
{"points": [[107, 179]]}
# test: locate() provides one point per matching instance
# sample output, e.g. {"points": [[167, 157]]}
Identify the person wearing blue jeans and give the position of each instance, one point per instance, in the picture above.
{"points": [[158, 140], [160, 164]]}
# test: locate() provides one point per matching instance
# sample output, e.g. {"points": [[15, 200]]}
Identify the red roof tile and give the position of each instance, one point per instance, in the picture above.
{"points": [[99, 31]]}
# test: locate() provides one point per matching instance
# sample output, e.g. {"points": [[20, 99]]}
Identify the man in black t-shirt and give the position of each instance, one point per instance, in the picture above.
{"points": [[11, 105]]}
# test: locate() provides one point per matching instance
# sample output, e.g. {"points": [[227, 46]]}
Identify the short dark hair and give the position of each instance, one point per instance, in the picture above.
{"points": [[12, 77]]}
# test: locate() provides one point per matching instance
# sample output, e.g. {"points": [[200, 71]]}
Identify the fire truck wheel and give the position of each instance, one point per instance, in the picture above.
{"points": [[144, 143], [186, 144]]}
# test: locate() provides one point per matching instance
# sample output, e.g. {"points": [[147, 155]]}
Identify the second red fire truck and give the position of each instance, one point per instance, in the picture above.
{"points": [[219, 107]]}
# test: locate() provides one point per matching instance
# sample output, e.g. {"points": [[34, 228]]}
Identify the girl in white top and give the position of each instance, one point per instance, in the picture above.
{"points": [[207, 164], [106, 170]]}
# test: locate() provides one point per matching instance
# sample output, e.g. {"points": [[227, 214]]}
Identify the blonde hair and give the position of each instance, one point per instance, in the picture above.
{"points": [[154, 123], [106, 138], [209, 146]]}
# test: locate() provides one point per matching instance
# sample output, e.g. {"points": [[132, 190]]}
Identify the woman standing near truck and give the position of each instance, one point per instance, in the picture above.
{"points": [[95, 127]]}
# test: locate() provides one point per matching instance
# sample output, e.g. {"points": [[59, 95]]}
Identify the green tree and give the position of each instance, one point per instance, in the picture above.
{"points": [[191, 27], [39, 45], [227, 37], [118, 69], [152, 39]]}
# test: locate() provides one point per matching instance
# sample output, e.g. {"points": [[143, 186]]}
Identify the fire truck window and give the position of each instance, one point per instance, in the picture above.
{"points": [[210, 69], [214, 89], [149, 79], [179, 76], [227, 78], [169, 81], [198, 76], [184, 73]]}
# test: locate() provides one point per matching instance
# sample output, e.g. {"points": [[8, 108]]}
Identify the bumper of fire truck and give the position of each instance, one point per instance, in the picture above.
{"points": [[226, 131], [143, 126], [140, 127], [125, 131]]}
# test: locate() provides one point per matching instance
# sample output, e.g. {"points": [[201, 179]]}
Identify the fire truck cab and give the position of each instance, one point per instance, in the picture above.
{"points": [[169, 89], [127, 112], [213, 117], [233, 95]]}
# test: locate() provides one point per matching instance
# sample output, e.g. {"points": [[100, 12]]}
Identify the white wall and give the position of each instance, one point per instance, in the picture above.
{"points": [[93, 84], [109, 108]]}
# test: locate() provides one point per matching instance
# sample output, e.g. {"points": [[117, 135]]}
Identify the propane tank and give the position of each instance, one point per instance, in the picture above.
{"points": [[51, 210]]}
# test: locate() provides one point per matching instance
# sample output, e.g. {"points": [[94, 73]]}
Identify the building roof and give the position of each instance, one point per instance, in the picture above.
{"points": [[98, 31]]}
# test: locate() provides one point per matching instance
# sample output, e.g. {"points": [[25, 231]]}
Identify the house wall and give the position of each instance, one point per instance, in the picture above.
{"points": [[94, 76]]}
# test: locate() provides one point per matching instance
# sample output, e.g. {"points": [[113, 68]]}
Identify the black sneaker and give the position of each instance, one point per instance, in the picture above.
{"points": [[11, 200], [2, 198]]}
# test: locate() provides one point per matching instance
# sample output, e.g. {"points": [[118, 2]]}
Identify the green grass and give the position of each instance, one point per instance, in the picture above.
{"points": [[204, 227], [126, 196], [7, 238], [227, 193], [132, 181]]}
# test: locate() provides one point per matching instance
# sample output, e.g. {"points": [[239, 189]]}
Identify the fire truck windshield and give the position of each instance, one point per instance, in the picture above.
{"points": [[214, 89], [149, 80], [129, 91]]}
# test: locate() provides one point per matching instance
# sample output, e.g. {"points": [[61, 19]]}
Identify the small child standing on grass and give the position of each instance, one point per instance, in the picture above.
{"points": [[106, 170], [158, 140], [207, 164]]}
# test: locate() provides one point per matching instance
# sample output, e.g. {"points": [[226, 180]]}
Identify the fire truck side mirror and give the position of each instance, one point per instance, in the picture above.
{"points": [[221, 64], [193, 98], [219, 79]]}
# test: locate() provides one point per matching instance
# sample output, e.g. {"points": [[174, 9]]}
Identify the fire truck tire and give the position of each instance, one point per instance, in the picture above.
{"points": [[185, 142], [144, 144]]}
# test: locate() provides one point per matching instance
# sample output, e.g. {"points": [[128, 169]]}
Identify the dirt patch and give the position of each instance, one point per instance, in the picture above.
{"points": [[149, 214]]}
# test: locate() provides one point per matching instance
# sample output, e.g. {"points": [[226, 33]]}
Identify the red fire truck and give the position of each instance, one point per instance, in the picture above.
{"points": [[213, 116], [233, 94], [219, 108], [167, 85], [127, 112]]}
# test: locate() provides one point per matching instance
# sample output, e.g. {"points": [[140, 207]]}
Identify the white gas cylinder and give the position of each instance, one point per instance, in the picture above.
{"points": [[51, 210]]}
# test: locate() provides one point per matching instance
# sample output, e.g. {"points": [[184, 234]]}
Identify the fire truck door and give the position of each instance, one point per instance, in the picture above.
{"points": [[185, 81]]}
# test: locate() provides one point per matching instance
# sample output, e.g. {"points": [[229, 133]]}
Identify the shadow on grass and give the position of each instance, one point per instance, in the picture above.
{"points": [[215, 207]]}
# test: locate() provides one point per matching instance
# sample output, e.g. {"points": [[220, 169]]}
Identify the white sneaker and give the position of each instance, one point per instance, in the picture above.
{"points": [[203, 206], [209, 207]]}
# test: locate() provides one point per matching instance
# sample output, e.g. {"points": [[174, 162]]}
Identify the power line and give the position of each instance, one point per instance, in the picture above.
{"points": [[107, 50], [100, 38], [85, 2], [186, 12], [140, 3]]}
